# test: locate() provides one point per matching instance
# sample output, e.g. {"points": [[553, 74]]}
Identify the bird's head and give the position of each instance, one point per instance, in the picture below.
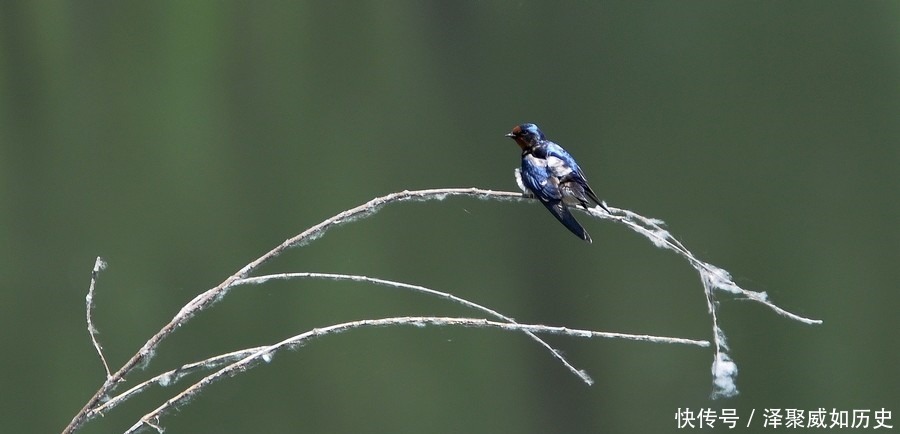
{"points": [[526, 135]]}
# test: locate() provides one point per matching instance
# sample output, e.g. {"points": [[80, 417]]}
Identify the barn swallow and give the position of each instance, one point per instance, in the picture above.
{"points": [[553, 176]]}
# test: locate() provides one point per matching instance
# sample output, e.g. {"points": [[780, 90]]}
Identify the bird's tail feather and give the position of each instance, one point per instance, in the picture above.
{"points": [[562, 213]]}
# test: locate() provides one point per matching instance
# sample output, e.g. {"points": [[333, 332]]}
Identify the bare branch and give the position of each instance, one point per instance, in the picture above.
{"points": [[719, 278], [267, 353], [713, 279], [171, 377], [99, 265], [207, 298], [285, 276]]}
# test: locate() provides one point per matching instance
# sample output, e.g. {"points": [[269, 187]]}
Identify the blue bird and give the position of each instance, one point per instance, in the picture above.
{"points": [[553, 176]]}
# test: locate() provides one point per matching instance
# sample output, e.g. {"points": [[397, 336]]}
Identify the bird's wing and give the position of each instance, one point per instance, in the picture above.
{"points": [[580, 192], [537, 177], [562, 213], [559, 162], [546, 188], [571, 179]]}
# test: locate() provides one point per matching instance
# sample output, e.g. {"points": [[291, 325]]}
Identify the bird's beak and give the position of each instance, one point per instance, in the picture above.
{"points": [[510, 135]]}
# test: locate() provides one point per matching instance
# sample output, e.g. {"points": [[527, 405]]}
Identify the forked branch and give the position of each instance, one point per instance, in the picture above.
{"points": [[712, 278]]}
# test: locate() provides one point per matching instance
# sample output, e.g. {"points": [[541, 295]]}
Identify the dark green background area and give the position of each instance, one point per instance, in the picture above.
{"points": [[180, 140]]}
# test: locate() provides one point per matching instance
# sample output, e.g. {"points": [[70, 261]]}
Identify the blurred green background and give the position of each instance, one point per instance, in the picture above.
{"points": [[180, 140]]}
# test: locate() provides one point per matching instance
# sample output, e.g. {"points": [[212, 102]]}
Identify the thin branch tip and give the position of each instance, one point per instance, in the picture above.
{"points": [[99, 265]]}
